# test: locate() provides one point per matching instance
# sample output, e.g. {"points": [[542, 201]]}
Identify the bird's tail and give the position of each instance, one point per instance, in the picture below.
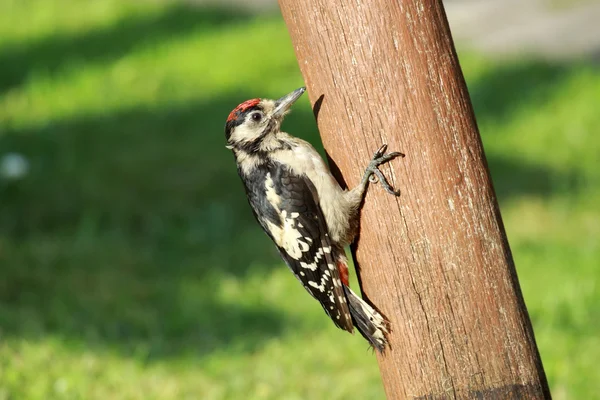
{"points": [[370, 323]]}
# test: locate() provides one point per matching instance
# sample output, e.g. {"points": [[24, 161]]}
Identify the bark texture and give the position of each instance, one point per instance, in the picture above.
{"points": [[436, 260]]}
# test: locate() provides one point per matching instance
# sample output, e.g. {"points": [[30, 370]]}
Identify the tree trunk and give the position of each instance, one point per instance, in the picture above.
{"points": [[435, 260]]}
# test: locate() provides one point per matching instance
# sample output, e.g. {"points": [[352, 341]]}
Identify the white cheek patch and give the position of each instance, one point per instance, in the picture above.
{"points": [[245, 133]]}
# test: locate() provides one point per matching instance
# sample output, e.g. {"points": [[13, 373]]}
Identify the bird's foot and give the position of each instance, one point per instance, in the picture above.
{"points": [[373, 172]]}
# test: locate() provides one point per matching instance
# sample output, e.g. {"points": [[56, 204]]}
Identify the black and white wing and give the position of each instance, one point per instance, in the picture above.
{"points": [[288, 210]]}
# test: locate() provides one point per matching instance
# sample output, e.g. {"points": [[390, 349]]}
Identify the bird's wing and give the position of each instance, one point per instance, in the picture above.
{"points": [[291, 216]]}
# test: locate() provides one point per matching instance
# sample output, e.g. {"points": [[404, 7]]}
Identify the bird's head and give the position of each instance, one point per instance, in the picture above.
{"points": [[254, 120]]}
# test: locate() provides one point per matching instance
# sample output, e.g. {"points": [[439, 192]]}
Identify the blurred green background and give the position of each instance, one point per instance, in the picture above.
{"points": [[130, 264]]}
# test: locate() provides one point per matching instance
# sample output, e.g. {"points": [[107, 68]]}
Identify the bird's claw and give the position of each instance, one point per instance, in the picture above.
{"points": [[381, 151], [376, 175]]}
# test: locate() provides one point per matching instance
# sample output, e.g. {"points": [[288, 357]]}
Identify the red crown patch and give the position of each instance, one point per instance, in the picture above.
{"points": [[242, 107]]}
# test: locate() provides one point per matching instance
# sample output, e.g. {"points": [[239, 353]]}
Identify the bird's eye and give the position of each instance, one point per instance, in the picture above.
{"points": [[256, 117]]}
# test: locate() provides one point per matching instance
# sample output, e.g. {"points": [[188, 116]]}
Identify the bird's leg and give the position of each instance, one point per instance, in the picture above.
{"points": [[373, 174], [354, 197]]}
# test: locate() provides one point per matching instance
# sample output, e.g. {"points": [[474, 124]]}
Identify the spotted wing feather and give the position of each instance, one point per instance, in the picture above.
{"points": [[292, 217]]}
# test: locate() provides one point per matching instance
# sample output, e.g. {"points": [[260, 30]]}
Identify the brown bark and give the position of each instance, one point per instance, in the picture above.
{"points": [[436, 260]]}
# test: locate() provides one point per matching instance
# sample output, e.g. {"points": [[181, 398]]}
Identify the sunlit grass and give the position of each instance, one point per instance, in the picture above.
{"points": [[131, 265]]}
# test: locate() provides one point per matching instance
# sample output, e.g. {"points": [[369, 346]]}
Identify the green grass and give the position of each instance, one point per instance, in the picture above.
{"points": [[131, 265]]}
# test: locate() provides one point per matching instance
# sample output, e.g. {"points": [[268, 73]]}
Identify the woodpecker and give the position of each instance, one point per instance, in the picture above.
{"points": [[303, 209]]}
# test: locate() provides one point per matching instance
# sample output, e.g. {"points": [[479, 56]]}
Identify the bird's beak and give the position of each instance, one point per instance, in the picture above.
{"points": [[283, 104]]}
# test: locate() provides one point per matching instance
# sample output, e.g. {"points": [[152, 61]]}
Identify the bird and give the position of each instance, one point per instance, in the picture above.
{"points": [[304, 210]]}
